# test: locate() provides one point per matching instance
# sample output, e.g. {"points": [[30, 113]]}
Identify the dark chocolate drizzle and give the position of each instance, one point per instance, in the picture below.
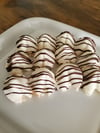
{"points": [[63, 76], [43, 60], [67, 69], [41, 73], [90, 82], [26, 38], [43, 53], [71, 80], [67, 32]]}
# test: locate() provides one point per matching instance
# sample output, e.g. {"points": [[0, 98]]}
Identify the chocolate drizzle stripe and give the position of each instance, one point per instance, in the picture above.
{"points": [[21, 59], [21, 85], [66, 75], [43, 60], [8, 79], [90, 82], [11, 86], [41, 74], [18, 93], [37, 88], [14, 77], [66, 70], [37, 91], [19, 62], [45, 54], [68, 67], [26, 39], [50, 43], [63, 43], [66, 43], [18, 55], [84, 43], [45, 80], [71, 80], [86, 64], [15, 67], [87, 38], [66, 57], [66, 32], [48, 37], [42, 84], [61, 87], [82, 50], [87, 59], [92, 76], [67, 53], [63, 51], [48, 49], [86, 54], [90, 73], [79, 82], [93, 68], [25, 45]]}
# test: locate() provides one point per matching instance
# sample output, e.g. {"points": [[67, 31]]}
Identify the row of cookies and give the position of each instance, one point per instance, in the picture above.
{"points": [[16, 86], [78, 66], [80, 62], [42, 80], [30, 68]]}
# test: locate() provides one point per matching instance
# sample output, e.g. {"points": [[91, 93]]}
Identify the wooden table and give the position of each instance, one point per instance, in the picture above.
{"points": [[84, 14]]}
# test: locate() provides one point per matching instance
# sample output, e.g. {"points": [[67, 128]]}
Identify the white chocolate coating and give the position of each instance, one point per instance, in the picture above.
{"points": [[85, 45], [17, 89], [26, 43], [86, 59], [91, 80], [65, 38], [44, 58], [46, 41], [69, 76], [65, 54], [42, 82], [18, 60]]}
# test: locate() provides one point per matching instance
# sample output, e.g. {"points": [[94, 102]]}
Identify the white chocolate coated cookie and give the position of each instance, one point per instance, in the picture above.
{"points": [[86, 59], [91, 80], [65, 38], [17, 89], [18, 61], [65, 54], [44, 58], [85, 45], [26, 43], [46, 41], [69, 76], [42, 82]]}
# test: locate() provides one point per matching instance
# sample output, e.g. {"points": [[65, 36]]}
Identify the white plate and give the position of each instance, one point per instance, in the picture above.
{"points": [[70, 112]]}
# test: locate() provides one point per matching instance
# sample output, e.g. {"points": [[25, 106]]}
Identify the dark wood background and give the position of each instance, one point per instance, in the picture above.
{"points": [[84, 14]]}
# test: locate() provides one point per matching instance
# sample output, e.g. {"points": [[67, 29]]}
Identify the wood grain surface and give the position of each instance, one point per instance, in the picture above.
{"points": [[84, 14]]}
